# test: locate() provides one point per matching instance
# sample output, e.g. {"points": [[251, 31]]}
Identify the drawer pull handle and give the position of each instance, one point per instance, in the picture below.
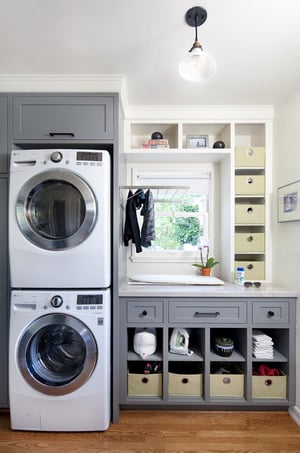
{"points": [[250, 238], [250, 266], [144, 313], [53, 134], [250, 152], [145, 380], [271, 313], [198, 314], [185, 380], [250, 181], [250, 210], [226, 380], [268, 382]]}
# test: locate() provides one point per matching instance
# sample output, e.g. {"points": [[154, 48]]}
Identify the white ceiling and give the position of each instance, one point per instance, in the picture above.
{"points": [[256, 44]]}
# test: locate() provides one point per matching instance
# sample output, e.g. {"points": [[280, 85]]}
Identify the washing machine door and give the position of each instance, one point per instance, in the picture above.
{"points": [[57, 354], [56, 210]]}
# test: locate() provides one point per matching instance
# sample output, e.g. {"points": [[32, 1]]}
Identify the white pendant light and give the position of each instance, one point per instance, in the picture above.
{"points": [[197, 65]]}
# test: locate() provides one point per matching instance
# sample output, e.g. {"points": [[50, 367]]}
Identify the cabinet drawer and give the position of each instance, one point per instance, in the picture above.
{"points": [[269, 386], [185, 384], [206, 312], [145, 311], [254, 270], [249, 214], [249, 185], [63, 118], [228, 385], [253, 156], [270, 313], [144, 385], [249, 242]]}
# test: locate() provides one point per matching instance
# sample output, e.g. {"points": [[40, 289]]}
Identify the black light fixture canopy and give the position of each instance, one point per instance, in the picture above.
{"points": [[196, 16]]}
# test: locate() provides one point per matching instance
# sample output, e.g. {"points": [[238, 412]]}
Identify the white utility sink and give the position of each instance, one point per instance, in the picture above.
{"points": [[174, 279]]}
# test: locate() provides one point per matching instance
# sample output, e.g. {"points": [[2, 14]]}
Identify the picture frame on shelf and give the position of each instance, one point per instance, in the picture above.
{"points": [[197, 141], [288, 202]]}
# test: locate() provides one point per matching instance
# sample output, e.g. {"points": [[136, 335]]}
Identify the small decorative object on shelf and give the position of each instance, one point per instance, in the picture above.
{"points": [[197, 141], [240, 276], [157, 141], [224, 346], [219, 144], [157, 136], [206, 262]]}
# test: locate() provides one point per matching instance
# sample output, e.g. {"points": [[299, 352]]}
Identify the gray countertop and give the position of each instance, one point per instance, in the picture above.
{"points": [[227, 290]]}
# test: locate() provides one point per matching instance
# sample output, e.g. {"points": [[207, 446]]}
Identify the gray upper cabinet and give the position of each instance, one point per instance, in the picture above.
{"points": [[62, 118], [3, 135]]}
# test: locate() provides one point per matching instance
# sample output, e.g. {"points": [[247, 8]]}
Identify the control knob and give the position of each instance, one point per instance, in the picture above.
{"points": [[56, 301], [56, 156]]}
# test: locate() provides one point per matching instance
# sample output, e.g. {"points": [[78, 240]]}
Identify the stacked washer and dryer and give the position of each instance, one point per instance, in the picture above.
{"points": [[60, 267]]}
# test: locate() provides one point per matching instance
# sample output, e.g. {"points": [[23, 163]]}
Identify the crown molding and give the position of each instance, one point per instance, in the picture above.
{"points": [[201, 112], [65, 83], [116, 83]]}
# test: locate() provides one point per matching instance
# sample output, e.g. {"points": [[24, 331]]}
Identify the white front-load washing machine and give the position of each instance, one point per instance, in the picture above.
{"points": [[59, 360], [59, 218]]}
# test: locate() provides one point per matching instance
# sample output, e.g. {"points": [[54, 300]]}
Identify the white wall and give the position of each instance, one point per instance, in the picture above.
{"points": [[286, 236]]}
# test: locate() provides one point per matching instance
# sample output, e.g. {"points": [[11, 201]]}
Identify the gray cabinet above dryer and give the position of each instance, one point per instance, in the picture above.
{"points": [[63, 118]]}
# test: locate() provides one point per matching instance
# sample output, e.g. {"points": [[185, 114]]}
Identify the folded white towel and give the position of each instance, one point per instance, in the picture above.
{"points": [[259, 335]]}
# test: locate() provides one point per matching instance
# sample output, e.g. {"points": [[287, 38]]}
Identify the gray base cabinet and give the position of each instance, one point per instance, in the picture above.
{"points": [[204, 378], [3, 294]]}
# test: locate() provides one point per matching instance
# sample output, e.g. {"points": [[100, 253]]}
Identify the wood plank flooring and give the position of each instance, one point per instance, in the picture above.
{"points": [[166, 432]]}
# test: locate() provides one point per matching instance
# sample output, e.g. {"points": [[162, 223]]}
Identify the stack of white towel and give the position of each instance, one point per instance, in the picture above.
{"points": [[262, 345]]}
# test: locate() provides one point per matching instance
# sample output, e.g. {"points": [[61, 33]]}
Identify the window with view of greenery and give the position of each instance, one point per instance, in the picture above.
{"points": [[179, 224], [181, 221]]}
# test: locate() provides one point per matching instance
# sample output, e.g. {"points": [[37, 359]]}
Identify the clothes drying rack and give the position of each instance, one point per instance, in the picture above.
{"points": [[160, 193]]}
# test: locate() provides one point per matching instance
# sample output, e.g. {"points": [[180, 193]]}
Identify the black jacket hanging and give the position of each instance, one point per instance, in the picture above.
{"points": [[132, 229]]}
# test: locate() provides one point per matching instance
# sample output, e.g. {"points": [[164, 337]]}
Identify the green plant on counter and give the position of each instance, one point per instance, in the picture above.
{"points": [[206, 261]]}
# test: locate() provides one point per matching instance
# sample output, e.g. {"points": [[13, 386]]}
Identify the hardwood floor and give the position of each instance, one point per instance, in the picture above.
{"points": [[166, 432]]}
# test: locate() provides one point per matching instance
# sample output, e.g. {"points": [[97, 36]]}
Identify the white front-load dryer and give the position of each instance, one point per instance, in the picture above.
{"points": [[59, 360], [59, 218]]}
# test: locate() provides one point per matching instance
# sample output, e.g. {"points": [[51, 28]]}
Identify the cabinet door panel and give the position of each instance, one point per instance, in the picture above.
{"points": [[3, 135], [62, 118], [3, 295]]}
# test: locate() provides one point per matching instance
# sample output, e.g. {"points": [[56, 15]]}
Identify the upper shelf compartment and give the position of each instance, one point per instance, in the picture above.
{"points": [[205, 135], [140, 133], [179, 135], [183, 141]]}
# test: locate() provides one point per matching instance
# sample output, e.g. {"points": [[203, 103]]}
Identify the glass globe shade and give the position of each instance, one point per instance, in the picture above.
{"points": [[197, 66]]}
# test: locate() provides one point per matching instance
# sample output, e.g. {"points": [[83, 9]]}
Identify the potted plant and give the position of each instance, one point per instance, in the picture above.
{"points": [[207, 262]]}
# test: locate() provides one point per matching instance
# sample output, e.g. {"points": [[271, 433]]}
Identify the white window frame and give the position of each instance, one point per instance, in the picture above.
{"points": [[183, 256]]}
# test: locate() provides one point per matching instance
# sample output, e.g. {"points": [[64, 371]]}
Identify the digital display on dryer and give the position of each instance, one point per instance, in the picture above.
{"points": [[89, 156], [89, 299]]}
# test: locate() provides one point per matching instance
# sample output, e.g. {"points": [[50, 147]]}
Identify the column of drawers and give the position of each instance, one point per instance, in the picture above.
{"points": [[250, 211]]}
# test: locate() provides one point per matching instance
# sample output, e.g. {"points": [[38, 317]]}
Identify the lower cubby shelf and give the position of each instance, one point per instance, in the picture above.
{"points": [[189, 370]]}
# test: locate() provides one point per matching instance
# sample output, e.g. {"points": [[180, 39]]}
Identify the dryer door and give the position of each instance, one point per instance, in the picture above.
{"points": [[57, 354], [56, 210]]}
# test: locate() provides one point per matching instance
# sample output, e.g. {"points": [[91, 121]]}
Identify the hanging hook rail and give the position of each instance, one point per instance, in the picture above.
{"points": [[163, 193]]}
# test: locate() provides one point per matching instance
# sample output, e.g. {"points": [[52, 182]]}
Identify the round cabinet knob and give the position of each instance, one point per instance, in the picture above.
{"points": [[56, 156], [56, 301], [250, 180]]}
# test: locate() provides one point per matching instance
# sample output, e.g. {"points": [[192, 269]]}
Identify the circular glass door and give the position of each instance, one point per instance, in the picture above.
{"points": [[57, 354], [56, 210]]}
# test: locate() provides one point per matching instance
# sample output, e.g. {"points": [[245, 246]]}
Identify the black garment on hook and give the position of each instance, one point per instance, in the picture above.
{"points": [[148, 227], [132, 229]]}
